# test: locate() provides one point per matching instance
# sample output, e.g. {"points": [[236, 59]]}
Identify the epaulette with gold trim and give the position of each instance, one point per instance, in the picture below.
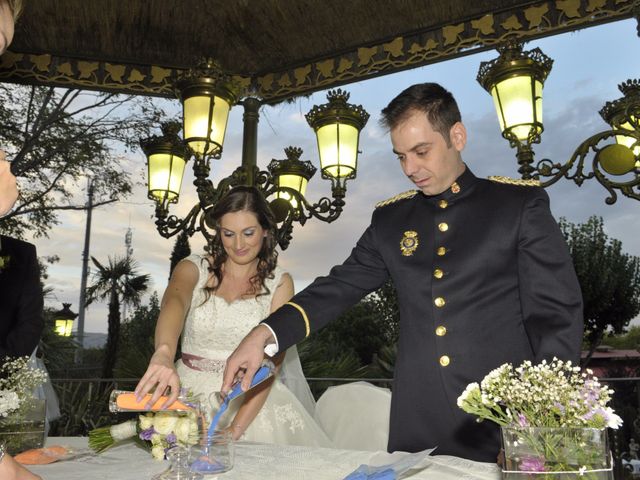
{"points": [[532, 182], [396, 198]]}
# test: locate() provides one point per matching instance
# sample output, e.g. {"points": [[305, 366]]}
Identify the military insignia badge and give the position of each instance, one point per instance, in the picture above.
{"points": [[409, 243]]}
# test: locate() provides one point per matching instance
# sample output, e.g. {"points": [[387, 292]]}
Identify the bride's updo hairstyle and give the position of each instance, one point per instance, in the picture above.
{"points": [[244, 199]]}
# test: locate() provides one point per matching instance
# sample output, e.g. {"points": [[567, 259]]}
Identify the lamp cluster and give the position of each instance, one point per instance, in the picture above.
{"points": [[515, 81], [207, 95]]}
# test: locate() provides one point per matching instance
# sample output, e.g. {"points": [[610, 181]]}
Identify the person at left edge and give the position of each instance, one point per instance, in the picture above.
{"points": [[8, 188], [21, 316], [9, 12]]}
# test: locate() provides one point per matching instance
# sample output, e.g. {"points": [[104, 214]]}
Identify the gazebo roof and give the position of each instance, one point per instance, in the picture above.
{"points": [[274, 48]]}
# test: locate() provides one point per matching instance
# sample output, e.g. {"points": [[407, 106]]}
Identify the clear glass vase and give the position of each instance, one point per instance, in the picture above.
{"points": [[214, 455], [543, 453], [180, 459], [24, 429]]}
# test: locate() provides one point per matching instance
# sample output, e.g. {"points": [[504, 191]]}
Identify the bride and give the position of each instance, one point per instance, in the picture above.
{"points": [[213, 301]]}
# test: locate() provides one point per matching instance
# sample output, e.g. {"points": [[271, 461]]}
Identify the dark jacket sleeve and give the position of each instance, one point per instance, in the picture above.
{"points": [[23, 338], [327, 297], [550, 293]]}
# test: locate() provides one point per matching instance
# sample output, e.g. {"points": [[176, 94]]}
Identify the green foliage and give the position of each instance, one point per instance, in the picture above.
{"points": [[385, 304], [326, 360], [83, 407], [609, 279], [120, 283], [181, 249], [59, 137], [626, 341], [137, 340], [358, 344]]}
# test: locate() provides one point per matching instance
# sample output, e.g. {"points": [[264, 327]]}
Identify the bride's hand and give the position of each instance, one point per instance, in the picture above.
{"points": [[161, 374]]}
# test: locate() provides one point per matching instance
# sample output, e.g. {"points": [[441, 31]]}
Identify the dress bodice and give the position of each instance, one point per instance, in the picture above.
{"points": [[214, 328]]}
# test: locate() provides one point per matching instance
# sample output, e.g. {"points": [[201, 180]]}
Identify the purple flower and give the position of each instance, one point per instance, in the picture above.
{"points": [[532, 464], [522, 420], [560, 407], [171, 439], [146, 434]]}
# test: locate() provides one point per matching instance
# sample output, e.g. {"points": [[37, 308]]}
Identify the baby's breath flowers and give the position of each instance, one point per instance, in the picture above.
{"points": [[17, 383], [555, 394]]}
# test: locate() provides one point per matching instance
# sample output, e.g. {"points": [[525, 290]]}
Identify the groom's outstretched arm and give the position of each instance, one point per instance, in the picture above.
{"points": [[311, 309]]}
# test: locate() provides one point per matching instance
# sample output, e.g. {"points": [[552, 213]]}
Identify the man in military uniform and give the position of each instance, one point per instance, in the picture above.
{"points": [[483, 277]]}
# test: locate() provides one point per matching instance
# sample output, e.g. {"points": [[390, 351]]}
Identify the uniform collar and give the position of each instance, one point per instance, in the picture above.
{"points": [[458, 189]]}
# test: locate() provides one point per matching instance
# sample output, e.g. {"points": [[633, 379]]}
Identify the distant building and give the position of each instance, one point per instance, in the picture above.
{"points": [[608, 362]]}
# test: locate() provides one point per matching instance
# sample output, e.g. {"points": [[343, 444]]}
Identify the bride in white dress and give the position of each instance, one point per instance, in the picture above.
{"points": [[214, 301]]}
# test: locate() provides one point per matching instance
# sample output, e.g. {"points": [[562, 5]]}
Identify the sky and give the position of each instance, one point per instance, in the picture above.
{"points": [[588, 66]]}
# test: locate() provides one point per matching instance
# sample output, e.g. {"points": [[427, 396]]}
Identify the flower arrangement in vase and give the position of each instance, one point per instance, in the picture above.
{"points": [[22, 416], [553, 418]]}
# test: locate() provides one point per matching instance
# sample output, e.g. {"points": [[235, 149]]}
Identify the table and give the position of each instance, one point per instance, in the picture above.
{"points": [[253, 461]]}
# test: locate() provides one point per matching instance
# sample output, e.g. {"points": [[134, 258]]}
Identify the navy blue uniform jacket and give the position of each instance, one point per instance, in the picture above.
{"points": [[21, 301], [483, 276]]}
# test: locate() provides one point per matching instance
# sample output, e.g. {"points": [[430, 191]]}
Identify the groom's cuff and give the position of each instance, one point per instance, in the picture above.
{"points": [[289, 325], [271, 348]]}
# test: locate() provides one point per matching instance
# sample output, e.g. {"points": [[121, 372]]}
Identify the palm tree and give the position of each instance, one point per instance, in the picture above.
{"points": [[119, 283]]}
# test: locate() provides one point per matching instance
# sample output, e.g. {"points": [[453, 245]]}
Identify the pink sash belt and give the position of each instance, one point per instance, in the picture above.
{"points": [[202, 364]]}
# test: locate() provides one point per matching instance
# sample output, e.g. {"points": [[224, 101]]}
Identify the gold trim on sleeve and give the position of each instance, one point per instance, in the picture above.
{"points": [[304, 317]]}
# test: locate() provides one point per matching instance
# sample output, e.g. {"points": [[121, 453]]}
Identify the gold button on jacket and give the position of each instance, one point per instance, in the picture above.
{"points": [[438, 273], [439, 301], [441, 331], [443, 227], [445, 360], [441, 251], [443, 204]]}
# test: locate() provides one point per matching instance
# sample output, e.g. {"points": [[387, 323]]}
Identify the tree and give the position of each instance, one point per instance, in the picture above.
{"points": [[119, 282], [181, 249], [57, 138], [609, 280], [385, 304], [137, 340]]}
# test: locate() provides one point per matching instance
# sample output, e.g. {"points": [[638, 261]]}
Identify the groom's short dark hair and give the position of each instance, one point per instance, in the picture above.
{"points": [[436, 102]]}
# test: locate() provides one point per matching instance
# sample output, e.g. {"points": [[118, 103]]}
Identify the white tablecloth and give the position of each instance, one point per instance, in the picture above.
{"points": [[253, 461]]}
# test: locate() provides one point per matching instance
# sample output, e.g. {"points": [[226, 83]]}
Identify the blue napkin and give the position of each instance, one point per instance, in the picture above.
{"points": [[364, 472], [393, 470]]}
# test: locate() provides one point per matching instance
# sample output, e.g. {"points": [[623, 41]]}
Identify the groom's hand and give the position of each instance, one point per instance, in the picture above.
{"points": [[246, 358]]}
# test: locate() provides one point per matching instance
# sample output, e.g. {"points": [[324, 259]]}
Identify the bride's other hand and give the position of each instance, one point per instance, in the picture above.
{"points": [[161, 373]]}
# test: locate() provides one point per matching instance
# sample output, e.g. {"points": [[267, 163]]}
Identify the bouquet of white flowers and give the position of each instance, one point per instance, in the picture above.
{"points": [[159, 431]]}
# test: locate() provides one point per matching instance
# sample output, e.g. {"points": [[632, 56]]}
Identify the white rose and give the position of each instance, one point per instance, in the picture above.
{"points": [[146, 421], [157, 452], [165, 422], [186, 430], [156, 439]]}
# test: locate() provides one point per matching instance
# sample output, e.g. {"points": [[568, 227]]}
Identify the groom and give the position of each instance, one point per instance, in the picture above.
{"points": [[482, 272]]}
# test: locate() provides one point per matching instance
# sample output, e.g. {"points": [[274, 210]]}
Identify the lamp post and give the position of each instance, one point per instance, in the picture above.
{"points": [[207, 95], [515, 80], [64, 320]]}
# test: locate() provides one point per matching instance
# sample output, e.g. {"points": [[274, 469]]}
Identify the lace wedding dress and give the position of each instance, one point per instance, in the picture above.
{"points": [[213, 329]]}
